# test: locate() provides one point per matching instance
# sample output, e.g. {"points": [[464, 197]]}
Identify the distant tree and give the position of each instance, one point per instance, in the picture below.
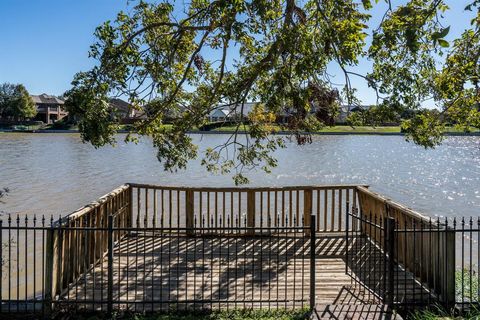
{"points": [[193, 56], [15, 102], [374, 116]]}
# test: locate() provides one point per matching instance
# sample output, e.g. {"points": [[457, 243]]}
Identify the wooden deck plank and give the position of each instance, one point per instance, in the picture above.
{"points": [[156, 272]]}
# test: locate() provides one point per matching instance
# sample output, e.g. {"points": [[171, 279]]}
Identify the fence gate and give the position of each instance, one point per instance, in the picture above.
{"points": [[369, 246]]}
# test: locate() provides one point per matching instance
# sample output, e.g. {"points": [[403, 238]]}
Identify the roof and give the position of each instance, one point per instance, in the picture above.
{"points": [[349, 108], [46, 99], [220, 113], [121, 105], [233, 110], [245, 109], [248, 107]]}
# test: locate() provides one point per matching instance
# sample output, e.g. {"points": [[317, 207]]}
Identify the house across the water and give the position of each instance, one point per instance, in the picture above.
{"points": [[232, 113], [220, 114], [239, 112], [346, 110], [124, 111], [49, 108]]}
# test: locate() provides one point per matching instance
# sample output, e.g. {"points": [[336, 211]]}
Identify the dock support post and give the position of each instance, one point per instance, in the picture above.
{"points": [[312, 262], [307, 208], [49, 258], [110, 266], [189, 211], [130, 207], [347, 235], [250, 212], [390, 263], [449, 269]]}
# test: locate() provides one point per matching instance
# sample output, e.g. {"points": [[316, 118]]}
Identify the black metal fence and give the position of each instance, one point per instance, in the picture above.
{"points": [[152, 269], [105, 264], [367, 263], [415, 264], [23, 262], [466, 232]]}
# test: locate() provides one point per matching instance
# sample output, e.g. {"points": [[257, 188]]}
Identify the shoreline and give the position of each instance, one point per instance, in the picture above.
{"points": [[326, 133]]}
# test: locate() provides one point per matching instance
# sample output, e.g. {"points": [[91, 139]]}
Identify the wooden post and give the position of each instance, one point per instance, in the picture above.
{"points": [[332, 209], [110, 266], [390, 263], [347, 235], [49, 271], [59, 259], [307, 208], [189, 211], [449, 275], [130, 207], [154, 208], [355, 210], [251, 211], [312, 262]]}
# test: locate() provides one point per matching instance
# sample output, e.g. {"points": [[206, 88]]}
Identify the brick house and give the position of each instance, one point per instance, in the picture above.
{"points": [[49, 108]]}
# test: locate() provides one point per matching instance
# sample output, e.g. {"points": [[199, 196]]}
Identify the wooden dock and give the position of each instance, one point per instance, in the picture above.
{"points": [[156, 248], [184, 272]]}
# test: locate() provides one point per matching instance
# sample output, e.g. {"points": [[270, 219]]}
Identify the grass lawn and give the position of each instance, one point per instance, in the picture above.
{"points": [[243, 127], [460, 130], [334, 129], [360, 129], [129, 127], [60, 125], [21, 127], [439, 314], [348, 129], [215, 315], [234, 315]]}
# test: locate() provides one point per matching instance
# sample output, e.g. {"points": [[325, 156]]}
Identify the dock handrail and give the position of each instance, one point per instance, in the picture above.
{"points": [[62, 271], [102, 201], [145, 205], [192, 207], [426, 253], [351, 220], [229, 189]]}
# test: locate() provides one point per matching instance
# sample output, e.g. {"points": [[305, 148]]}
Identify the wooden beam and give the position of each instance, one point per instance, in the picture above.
{"points": [[189, 197], [307, 207], [246, 189], [251, 210], [49, 271]]}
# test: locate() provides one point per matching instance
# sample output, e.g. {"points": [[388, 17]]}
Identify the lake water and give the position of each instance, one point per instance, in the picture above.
{"points": [[57, 173]]}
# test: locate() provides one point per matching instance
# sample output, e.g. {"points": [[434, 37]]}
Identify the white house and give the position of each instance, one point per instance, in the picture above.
{"points": [[219, 114], [238, 112]]}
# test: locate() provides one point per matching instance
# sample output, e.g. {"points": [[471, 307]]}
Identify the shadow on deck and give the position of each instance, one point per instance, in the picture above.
{"points": [[367, 264], [173, 271]]}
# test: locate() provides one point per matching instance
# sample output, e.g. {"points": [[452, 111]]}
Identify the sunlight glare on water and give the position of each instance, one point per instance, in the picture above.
{"points": [[57, 173]]}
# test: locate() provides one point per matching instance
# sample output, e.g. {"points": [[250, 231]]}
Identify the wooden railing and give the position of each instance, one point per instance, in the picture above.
{"points": [[71, 250], [141, 205], [138, 205], [185, 207], [423, 246]]}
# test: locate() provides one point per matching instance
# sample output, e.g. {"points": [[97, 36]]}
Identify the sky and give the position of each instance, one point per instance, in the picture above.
{"points": [[43, 43]]}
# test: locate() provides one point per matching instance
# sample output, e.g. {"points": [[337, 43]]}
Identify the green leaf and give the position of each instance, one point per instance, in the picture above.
{"points": [[367, 5], [444, 32], [443, 43]]}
